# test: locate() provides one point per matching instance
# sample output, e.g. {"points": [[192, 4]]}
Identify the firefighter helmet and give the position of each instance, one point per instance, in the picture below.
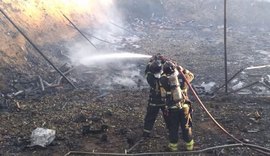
{"points": [[158, 56], [155, 67], [168, 67]]}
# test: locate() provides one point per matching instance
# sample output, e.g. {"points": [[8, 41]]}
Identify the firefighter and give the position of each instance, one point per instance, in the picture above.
{"points": [[174, 93], [155, 103]]}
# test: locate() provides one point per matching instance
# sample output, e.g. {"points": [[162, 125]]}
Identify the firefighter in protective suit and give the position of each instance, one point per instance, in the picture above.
{"points": [[155, 103], [174, 93]]}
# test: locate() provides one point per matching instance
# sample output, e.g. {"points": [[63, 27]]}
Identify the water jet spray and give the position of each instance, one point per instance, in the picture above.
{"points": [[111, 57]]}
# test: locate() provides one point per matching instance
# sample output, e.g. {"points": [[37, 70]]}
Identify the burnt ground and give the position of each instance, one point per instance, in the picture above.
{"points": [[78, 116], [247, 118]]}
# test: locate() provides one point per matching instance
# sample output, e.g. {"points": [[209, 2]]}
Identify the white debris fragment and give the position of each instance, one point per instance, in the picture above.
{"points": [[257, 67], [239, 85], [244, 92], [234, 81], [208, 86], [263, 52], [42, 137]]}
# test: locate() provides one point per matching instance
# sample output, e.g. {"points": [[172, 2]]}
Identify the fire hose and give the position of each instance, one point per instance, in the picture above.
{"points": [[258, 148], [264, 150]]}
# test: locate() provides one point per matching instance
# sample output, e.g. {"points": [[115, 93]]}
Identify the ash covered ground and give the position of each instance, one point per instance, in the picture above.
{"points": [[105, 114]]}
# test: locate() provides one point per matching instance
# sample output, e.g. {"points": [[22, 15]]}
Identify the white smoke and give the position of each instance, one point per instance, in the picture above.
{"points": [[111, 69], [105, 66]]}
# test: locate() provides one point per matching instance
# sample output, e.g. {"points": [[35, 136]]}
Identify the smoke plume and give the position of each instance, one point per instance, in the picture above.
{"points": [[105, 66]]}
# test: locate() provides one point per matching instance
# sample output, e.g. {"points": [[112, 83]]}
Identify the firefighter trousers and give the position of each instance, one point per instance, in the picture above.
{"points": [[177, 118], [151, 115]]}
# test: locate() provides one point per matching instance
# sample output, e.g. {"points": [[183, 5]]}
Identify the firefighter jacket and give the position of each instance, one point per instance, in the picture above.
{"points": [[154, 96], [189, 77]]}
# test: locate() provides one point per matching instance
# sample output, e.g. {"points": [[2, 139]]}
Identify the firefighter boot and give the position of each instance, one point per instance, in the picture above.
{"points": [[189, 145], [172, 147]]}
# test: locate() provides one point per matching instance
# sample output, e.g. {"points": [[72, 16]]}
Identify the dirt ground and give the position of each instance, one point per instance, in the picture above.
{"points": [[123, 111], [93, 119]]}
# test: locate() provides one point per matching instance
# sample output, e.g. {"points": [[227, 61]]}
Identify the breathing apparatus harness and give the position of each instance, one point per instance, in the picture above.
{"points": [[170, 88]]}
